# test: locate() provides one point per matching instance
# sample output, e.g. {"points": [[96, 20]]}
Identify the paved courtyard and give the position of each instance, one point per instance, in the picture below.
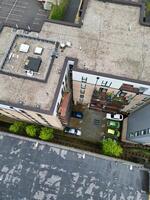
{"points": [[92, 125], [38, 171], [27, 15]]}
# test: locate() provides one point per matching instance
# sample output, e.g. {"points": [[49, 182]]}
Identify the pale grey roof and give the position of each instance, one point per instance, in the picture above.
{"points": [[139, 120]]}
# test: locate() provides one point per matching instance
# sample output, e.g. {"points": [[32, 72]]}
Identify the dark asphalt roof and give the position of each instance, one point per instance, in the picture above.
{"points": [[41, 171]]}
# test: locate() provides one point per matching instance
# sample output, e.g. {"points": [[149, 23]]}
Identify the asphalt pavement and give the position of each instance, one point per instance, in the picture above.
{"points": [[28, 15]]}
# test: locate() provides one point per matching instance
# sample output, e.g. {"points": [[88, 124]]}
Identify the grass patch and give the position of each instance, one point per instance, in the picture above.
{"points": [[58, 11]]}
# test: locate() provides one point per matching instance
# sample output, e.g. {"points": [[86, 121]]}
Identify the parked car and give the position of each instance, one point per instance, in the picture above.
{"points": [[72, 131], [116, 117], [113, 124], [113, 132], [78, 115]]}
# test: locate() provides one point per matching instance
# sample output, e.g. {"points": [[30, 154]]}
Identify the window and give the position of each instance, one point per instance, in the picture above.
{"points": [[43, 119], [84, 79], [142, 89], [82, 91], [143, 132], [81, 96], [146, 99], [140, 103], [131, 134], [83, 86], [137, 133], [106, 83], [27, 115]]}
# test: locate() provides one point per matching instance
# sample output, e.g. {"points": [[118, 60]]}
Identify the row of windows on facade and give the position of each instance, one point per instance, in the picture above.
{"points": [[27, 115], [109, 83], [103, 83], [137, 105], [139, 133]]}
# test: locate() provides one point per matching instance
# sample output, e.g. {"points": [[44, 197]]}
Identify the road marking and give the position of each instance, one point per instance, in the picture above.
{"points": [[21, 11], [6, 4], [17, 20], [2, 17], [11, 10], [16, 15]]}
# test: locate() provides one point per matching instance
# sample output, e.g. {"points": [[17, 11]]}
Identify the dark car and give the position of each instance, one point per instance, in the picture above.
{"points": [[72, 131], [78, 115]]}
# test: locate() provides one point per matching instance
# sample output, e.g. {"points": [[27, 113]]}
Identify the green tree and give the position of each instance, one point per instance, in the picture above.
{"points": [[31, 130], [111, 148], [46, 134], [17, 127]]}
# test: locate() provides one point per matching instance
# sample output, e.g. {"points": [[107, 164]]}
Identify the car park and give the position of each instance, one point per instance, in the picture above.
{"points": [[113, 124], [113, 132], [78, 115], [72, 131], [115, 117]]}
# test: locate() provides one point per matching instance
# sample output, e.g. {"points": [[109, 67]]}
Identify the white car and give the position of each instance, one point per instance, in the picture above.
{"points": [[116, 117], [72, 131]]}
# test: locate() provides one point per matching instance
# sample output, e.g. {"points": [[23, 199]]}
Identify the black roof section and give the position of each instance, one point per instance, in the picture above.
{"points": [[33, 64], [38, 170]]}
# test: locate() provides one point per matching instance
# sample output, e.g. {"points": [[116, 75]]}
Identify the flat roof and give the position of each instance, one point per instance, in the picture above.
{"points": [[111, 40], [17, 86], [32, 169]]}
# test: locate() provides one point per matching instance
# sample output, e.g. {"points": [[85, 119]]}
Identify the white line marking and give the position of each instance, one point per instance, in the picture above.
{"points": [[21, 11], [6, 4], [16, 15], [11, 10], [2, 17], [17, 20]]}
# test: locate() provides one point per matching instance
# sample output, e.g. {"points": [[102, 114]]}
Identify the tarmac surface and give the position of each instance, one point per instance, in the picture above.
{"points": [[40, 171], [20, 14]]}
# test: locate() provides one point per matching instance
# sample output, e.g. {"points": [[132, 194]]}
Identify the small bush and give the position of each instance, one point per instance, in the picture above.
{"points": [[31, 130], [17, 127], [111, 148], [58, 11], [46, 134]]}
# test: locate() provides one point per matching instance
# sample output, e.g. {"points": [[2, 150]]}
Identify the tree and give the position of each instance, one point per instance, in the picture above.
{"points": [[31, 130], [46, 133], [111, 148], [17, 127]]}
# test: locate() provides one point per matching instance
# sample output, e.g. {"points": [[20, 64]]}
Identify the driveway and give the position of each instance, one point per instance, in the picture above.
{"points": [[28, 15]]}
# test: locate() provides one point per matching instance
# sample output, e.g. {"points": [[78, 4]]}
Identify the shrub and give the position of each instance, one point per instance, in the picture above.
{"points": [[111, 148], [46, 134], [58, 11], [31, 130], [17, 127]]}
